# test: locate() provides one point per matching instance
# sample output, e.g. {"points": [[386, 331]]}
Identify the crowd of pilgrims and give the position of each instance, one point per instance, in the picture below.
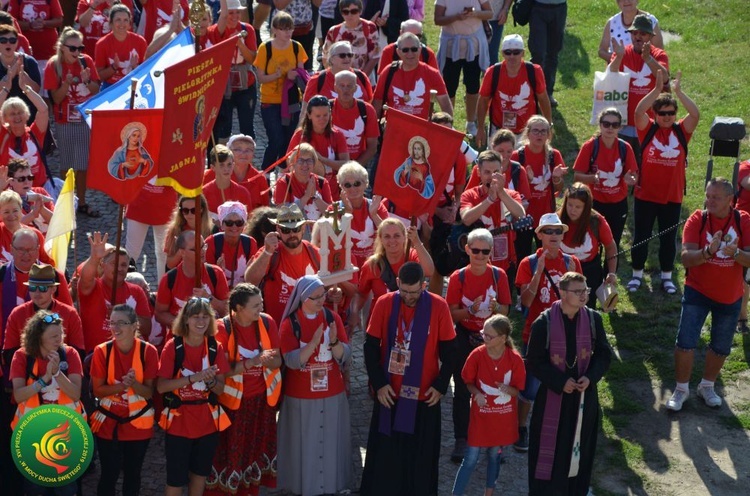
{"points": [[249, 374]]}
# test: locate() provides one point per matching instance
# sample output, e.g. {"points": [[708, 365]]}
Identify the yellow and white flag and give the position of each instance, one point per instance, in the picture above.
{"points": [[62, 223]]}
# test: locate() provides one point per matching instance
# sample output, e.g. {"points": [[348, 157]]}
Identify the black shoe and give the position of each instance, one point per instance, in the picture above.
{"points": [[459, 449], [522, 445], [554, 103]]}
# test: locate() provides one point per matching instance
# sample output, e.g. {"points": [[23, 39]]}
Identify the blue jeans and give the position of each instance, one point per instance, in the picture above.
{"points": [[278, 134], [497, 37], [471, 457], [695, 309], [244, 101], [531, 388]]}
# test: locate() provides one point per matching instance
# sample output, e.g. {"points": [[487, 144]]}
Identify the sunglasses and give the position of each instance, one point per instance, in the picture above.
{"points": [[318, 101], [409, 49], [6, 39], [610, 124], [345, 55], [232, 223], [289, 230], [42, 288], [349, 11], [75, 48], [355, 184], [512, 52], [22, 179], [666, 113], [199, 299], [186, 210], [52, 319], [483, 251], [552, 232]]}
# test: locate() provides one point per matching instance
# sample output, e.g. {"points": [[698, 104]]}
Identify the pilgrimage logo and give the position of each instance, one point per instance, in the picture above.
{"points": [[52, 445]]}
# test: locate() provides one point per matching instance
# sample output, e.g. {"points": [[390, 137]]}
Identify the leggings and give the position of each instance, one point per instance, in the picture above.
{"points": [[136, 235], [645, 213]]}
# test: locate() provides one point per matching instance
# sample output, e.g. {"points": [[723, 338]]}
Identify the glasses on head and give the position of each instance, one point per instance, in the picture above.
{"points": [[538, 131], [116, 324], [488, 337], [483, 251], [23, 179], [666, 113], [512, 52], [8, 39], [74, 49], [25, 251], [289, 230], [407, 292], [232, 223], [355, 184], [42, 288], [353, 11], [186, 211], [52, 319], [552, 231], [610, 125], [579, 292], [318, 101], [317, 298], [345, 55], [199, 299], [409, 49], [306, 161]]}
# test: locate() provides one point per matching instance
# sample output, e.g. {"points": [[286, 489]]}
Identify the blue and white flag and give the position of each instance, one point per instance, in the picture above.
{"points": [[149, 92]]}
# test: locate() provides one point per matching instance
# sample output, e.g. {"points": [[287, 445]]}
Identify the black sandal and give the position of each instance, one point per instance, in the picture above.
{"points": [[86, 210]]}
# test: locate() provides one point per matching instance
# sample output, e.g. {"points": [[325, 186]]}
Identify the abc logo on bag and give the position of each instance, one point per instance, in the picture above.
{"points": [[612, 96]]}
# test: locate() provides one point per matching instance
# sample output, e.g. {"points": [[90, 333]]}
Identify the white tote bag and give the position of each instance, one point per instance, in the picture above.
{"points": [[610, 90]]}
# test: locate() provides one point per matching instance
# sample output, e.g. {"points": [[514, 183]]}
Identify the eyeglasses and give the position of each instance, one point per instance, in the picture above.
{"points": [[232, 223], [406, 292], [538, 132], [355, 184], [483, 251], [116, 324], [512, 52], [42, 288], [552, 232], [610, 124], [75, 48], [186, 211], [345, 55], [409, 49], [487, 337], [52, 319], [289, 230], [666, 113], [579, 292], [349, 11], [7, 39], [306, 161], [23, 179], [25, 251], [316, 298]]}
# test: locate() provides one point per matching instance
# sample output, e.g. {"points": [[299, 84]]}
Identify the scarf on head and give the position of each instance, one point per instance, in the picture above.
{"points": [[302, 291]]}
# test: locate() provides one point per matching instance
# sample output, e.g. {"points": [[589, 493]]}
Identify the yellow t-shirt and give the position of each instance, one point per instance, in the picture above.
{"points": [[283, 59]]}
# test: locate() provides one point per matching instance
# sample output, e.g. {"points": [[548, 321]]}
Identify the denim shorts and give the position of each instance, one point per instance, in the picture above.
{"points": [[695, 309]]}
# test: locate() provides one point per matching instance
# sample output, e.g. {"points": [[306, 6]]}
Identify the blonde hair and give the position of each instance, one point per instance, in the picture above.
{"points": [[67, 33], [378, 254], [503, 326], [537, 119], [10, 196]]}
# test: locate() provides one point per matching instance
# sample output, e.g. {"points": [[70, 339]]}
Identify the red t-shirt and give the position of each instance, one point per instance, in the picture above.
{"points": [[278, 287], [123, 362], [642, 80], [386, 57], [473, 287], [6, 238], [363, 231], [235, 258], [611, 187], [159, 13], [514, 101], [355, 131], [95, 309], [545, 294], [297, 191], [369, 277], [108, 46], [522, 187], [42, 40], [495, 424], [663, 163], [21, 314], [321, 376], [743, 199], [65, 111], [540, 200], [214, 37], [22, 291], [504, 251], [28, 150], [589, 249], [194, 421], [48, 393], [363, 91], [255, 183], [215, 196], [248, 346], [99, 24], [182, 290], [150, 206], [440, 329], [720, 278], [329, 146], [410, 90]]}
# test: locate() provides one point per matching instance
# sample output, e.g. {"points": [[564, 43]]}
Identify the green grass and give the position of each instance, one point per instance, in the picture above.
{"points": [[711, 51]]}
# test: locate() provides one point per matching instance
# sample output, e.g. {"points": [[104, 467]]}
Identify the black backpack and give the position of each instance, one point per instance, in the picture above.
{"points": [[360, 76], [172, 400], [621, 145], [297, 328], [273, 265], [650, 135], [550, 163], [530, 74], [172, 276]]}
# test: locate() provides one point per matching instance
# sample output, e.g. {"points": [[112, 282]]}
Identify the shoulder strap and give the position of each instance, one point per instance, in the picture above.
{"points": [[495, 274], [738, 222], [227, 324], [212, 275], [462, 275], [328, 315], [389, 77], [649, 136], [313, 256], [322, 80], [218, 244], [533, 260], [362, 110], [171, 278], [212, 350], [179, 354], [623, 146], [269, 53], [425, 54], [515, 174], [704, 218], [531, 75], [362, 77], [30, 360], [495, 79], [594, 155], [594, 224], [296, 328], [522, 155], [246, 244], [681, 138], [108, 354]]}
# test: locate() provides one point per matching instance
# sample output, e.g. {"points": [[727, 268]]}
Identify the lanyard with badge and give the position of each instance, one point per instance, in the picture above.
{"points": [[400, 354]]}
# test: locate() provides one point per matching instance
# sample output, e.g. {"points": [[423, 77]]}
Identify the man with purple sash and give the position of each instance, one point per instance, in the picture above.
{"points": [[409, 357], [569, 354]]}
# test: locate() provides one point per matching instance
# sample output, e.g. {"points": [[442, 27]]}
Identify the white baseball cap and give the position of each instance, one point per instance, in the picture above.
{"points": [[513, 42]]}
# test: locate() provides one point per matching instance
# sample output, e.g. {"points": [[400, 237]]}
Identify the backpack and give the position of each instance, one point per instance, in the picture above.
{"points": [[273, 265], [228, 327], [297, 328], [219, 246], [172, 400], [395, 65], [621, 145], [737, 221], [650, 135], [534, 260], [360, 76], [360, 106], [530, 74], [172, 276], [269, 53], [550, 163], [495, 275]]}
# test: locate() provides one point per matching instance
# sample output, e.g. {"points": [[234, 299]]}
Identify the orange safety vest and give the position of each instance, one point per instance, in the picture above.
{"points": [[140, 411], [219, 416], [34, 400]]}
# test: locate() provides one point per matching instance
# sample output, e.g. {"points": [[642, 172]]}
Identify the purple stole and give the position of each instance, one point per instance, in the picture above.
{"points": [[406, 404], [557, 353]]}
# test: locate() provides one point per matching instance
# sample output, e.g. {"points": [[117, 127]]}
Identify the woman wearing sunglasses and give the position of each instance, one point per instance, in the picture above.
{"points": [[361, 33], [122, 375], [45, 371], [661, 186], [329, 142], [15, 65], [607, 164], [588, 232], [230, 249], [340, 57], [37, 205], [183, 219], [303, 186]]}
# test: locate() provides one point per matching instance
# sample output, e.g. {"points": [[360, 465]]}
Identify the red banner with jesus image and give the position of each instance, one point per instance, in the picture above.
{"points": [[193, 90], [415, 161]]}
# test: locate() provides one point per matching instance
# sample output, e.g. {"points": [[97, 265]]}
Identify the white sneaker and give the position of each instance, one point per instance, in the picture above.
{"points": [[471, 128], [678, 398], [709, 396]]}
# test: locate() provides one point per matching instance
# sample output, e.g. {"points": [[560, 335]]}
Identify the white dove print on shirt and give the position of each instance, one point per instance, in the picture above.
{"points": [[30, 155], [541, 181], [582, 250], [324, 353], [484, 307], [610, 179], [668, 150], [200, 385], [364, 239], [518, 101], [501, 397], [730, 235], [641, 78], [354, 136], [413, 98]]}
